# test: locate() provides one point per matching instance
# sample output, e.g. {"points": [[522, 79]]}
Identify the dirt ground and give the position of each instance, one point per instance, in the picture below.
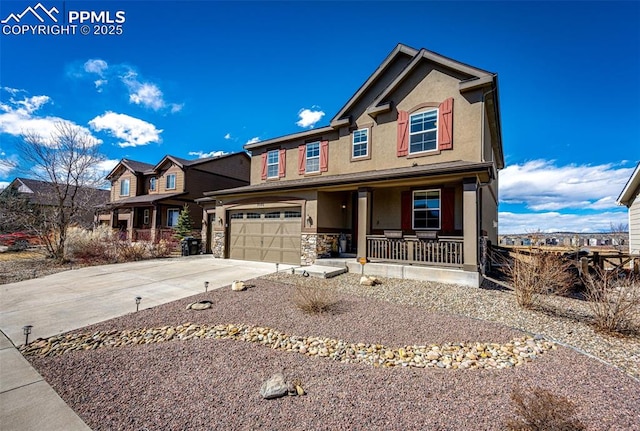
{"points": [[26, 264]]}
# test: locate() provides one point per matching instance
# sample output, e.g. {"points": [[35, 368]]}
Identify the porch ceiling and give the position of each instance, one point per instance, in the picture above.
{"points": [[458, 168]]}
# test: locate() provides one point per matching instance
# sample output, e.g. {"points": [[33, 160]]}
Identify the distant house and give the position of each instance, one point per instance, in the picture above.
{"points": [[629, 198], [146, 199], [43, 195]]}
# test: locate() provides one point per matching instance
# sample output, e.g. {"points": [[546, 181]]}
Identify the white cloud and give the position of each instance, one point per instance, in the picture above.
{"points": [[542, 186], [202, 155], [513, 223], [18, 117], [4, 184], [227, 136], [146, 94], [99, 84], [176, 107], [308, 117], [96, 66], [253, 140], [12, 91], [132, 131]]}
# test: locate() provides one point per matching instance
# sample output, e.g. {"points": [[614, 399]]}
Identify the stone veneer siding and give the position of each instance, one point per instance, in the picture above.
{"points": [[308, 245], [217, 244]]}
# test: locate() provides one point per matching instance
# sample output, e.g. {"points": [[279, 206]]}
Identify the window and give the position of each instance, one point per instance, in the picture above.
{"points": [[273, 214], [361, 143], [272, 164], [292, 214], [145, 217], [152, 184], [124, 187], [237, 216], [423, 132], [171, 181], [313, 157], [426, 209], [172, 217], [253, 215]]}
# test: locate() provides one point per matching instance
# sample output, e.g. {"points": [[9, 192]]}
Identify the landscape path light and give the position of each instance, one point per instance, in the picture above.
{"points": [[26, 330], [206, 286], [138, 299]]}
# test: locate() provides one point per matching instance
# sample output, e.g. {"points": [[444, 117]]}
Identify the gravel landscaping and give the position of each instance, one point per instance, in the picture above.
{"points": [[203, 383]]}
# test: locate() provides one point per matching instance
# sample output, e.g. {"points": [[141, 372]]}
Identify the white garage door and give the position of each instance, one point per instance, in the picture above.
{"points": [[271, 235]]}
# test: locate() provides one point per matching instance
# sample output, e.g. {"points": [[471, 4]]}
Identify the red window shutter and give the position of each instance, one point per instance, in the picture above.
{"points": [[445, 125], [282, 164], [448, 209], [264, 166], [403, 133], [324, 156], [302, 159], [406, 211]]}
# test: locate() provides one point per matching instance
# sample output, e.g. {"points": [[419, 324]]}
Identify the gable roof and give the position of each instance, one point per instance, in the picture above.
{"points": [[182, 163], [132, 165], [631, 189], [476, 78], [44, 192]]}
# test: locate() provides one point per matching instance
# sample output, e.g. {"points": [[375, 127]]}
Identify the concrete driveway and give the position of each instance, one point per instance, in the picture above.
{"points": [[72, 299]]}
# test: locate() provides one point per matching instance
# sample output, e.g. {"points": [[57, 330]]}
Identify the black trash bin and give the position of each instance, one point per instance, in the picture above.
{"points": [[185, 245], [190, 246], [194, 246]]}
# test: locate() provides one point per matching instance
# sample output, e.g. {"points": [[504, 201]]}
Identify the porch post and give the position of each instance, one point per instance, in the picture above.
{"points": [[470, 224], [364, 217], [154, 225], [132, 217]]}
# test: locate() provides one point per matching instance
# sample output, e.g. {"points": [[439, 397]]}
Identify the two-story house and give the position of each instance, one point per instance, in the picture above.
{"points": [[406, 172], [146, 199]]}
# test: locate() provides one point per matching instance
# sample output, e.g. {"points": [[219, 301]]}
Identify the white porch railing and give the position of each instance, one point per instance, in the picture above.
{"points": [[444, 251]]}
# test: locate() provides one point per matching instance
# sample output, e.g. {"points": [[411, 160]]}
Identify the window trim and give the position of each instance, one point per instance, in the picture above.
{"points": [[175, 180], [170, 210], [413, 209], [276, 164], [367, 154], [307, 158], [153, 184], [423, 111], [126, 181], [146, 218]]}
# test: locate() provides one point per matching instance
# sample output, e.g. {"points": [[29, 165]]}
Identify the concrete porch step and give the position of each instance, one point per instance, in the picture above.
{"points": [[320, 271]]}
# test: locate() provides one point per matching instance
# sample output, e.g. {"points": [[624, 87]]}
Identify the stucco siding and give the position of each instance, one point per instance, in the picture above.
{"points": [[426, 86]]}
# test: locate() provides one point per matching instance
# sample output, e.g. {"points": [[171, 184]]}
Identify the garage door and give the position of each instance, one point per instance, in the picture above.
{"points": [[271, 235]]}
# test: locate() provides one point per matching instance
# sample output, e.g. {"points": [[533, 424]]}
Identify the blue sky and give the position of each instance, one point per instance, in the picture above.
{"points": [[193, 78]]}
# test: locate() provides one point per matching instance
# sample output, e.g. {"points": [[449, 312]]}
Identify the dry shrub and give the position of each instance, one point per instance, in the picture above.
{"points": [[538, 274], [541, 410], [314, 300], [89, 245], [162, 248], [614, 301], [132, 251]]}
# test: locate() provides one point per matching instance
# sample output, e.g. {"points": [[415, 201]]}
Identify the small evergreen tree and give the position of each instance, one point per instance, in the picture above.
{"points": [[184, 225]]}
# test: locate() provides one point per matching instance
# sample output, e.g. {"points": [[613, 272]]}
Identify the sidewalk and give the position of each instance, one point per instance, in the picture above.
{"points": [[73, 299]]}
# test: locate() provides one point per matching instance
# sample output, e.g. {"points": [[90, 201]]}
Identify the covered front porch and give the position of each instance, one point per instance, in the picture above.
{"points": [[429, 222]]}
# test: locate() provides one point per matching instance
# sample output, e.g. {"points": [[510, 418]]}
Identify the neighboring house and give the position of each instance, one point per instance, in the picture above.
{"points": [[406, 172], [629, 198], [147, 199], [43, 195]]}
